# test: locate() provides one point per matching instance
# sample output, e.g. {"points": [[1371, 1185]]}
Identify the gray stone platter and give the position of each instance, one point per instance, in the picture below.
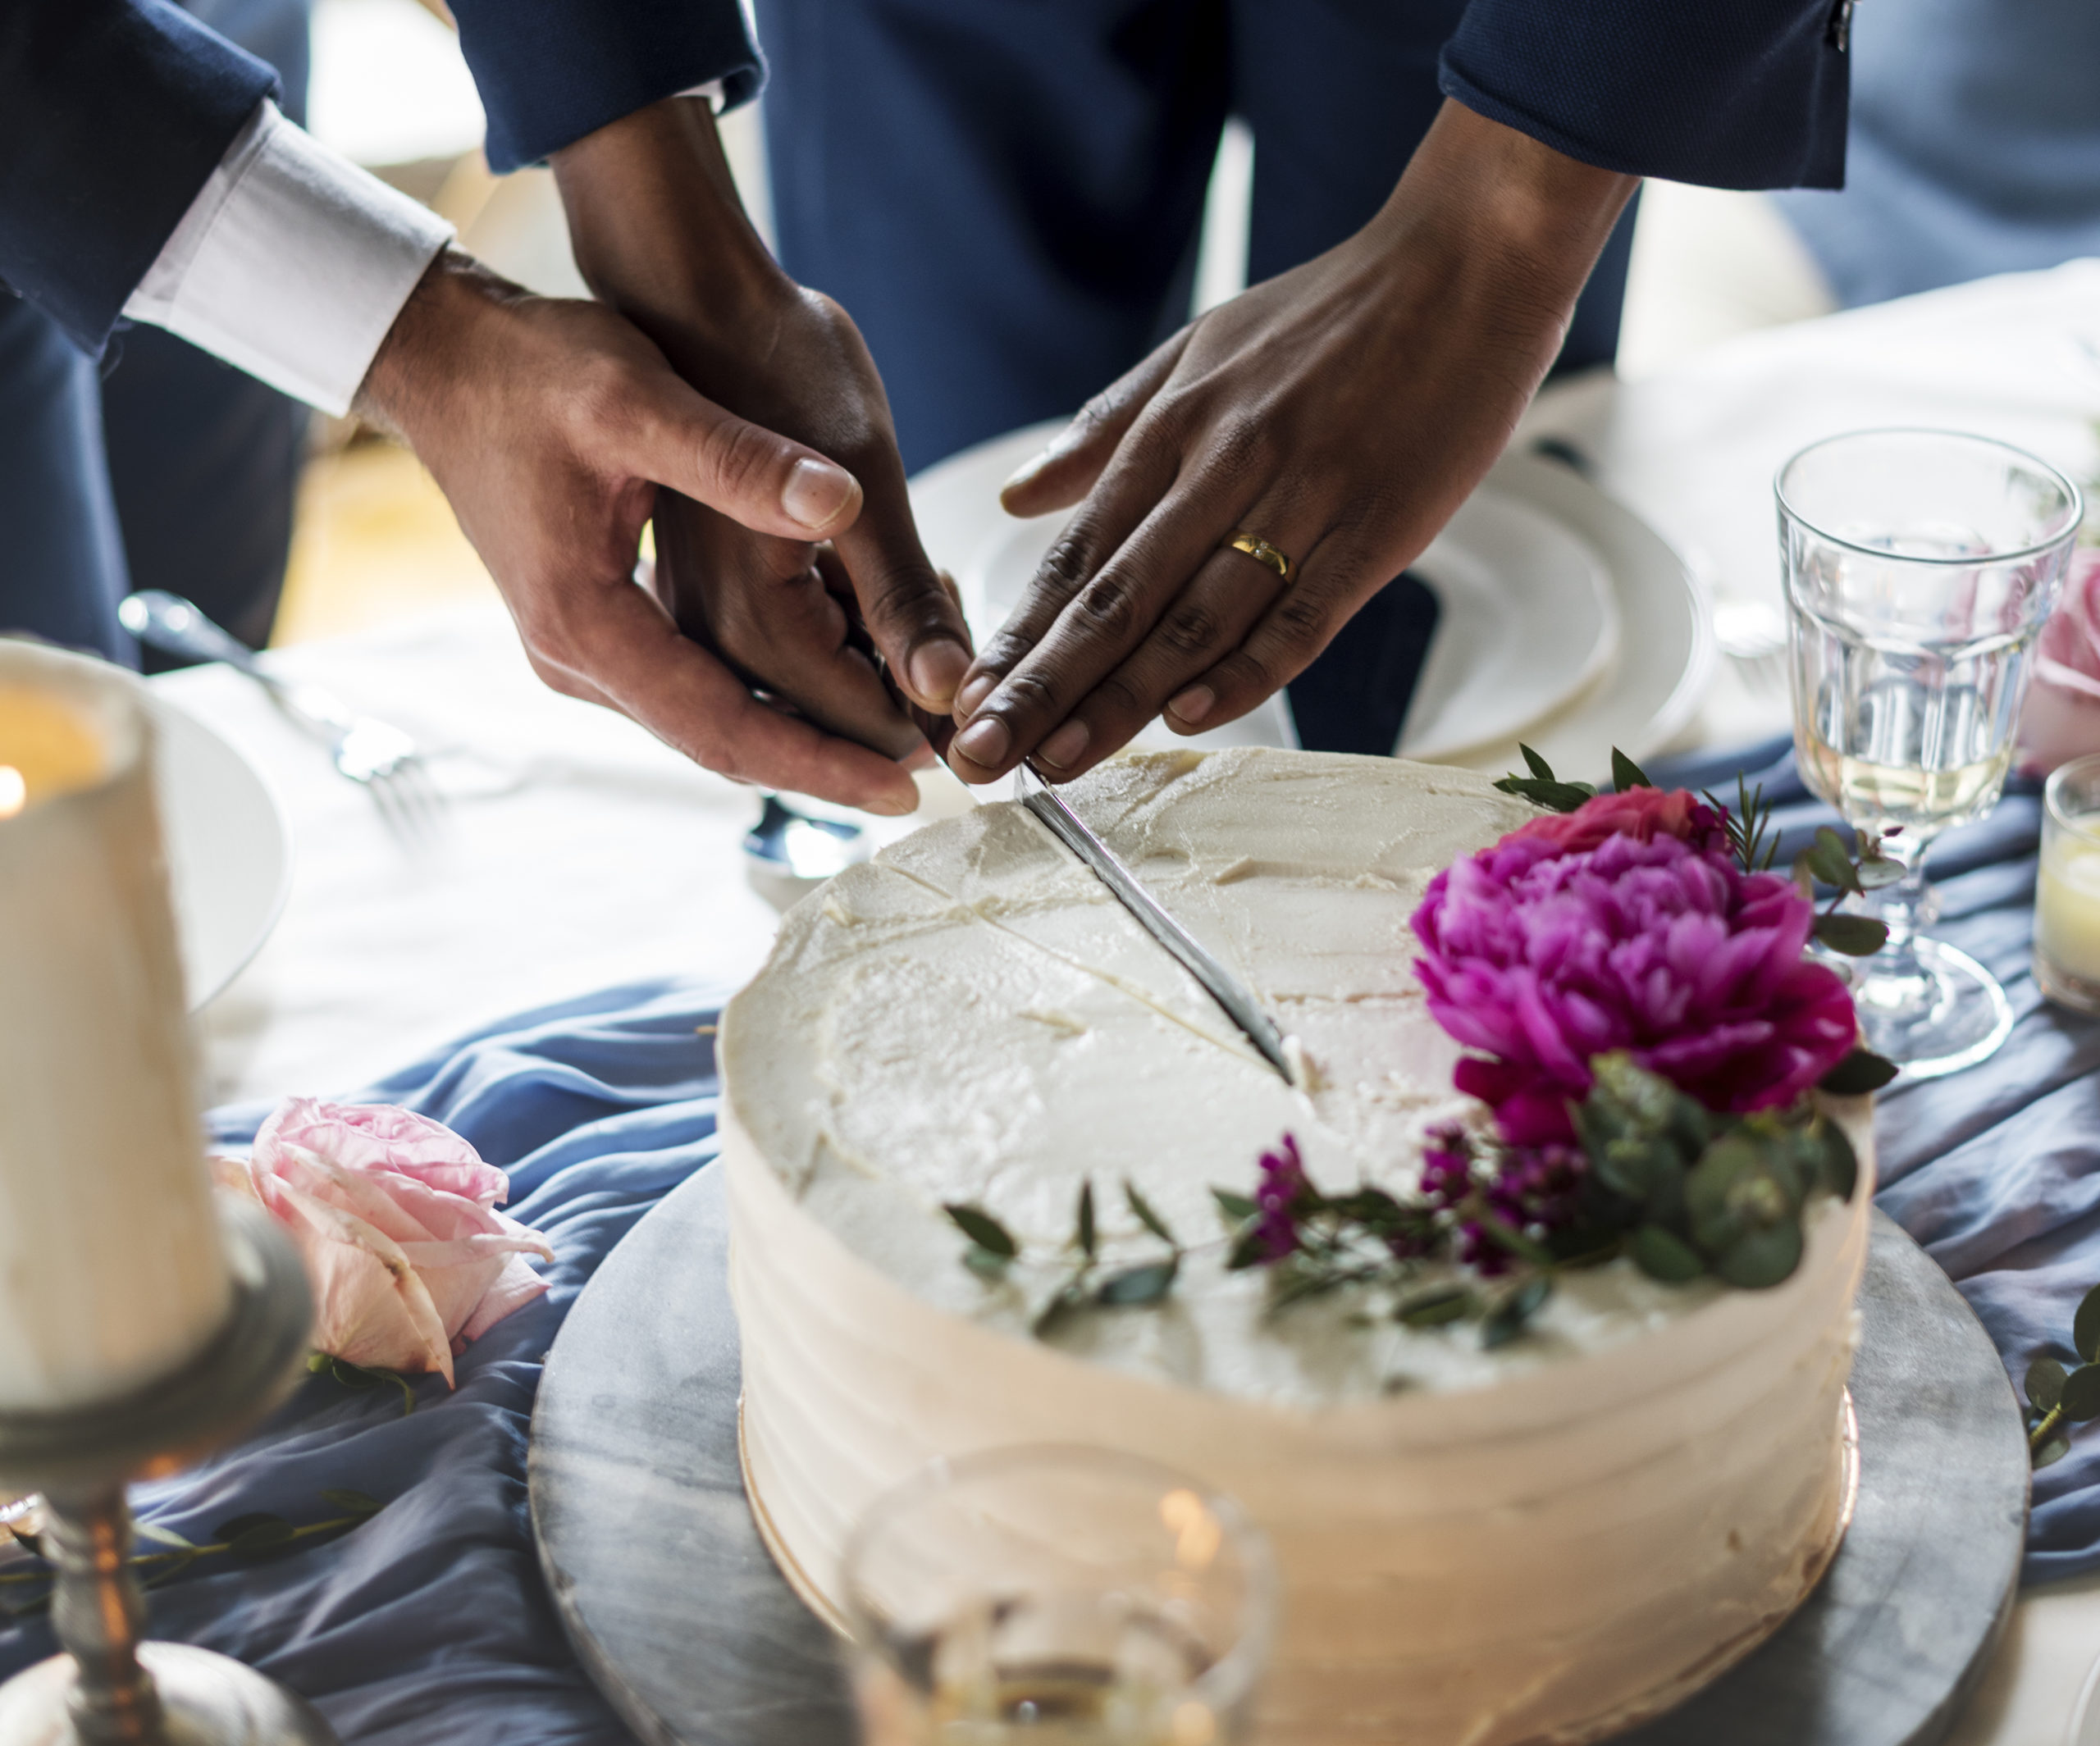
{"points": [[678, 1612]]}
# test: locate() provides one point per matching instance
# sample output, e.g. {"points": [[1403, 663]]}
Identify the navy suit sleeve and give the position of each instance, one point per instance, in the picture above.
{"points": [[1742, 93], [550, 71], [113, 114]]}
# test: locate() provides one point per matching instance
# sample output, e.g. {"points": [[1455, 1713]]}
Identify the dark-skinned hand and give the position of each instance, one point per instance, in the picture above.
{"points": [[1341, 411], [659, 234]]}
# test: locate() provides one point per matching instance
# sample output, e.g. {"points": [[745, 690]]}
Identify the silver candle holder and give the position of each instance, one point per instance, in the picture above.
{"points": [[108, 1688]]}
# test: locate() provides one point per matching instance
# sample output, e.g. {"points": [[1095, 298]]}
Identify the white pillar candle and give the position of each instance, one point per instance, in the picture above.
{"points": [[111, 1268]]}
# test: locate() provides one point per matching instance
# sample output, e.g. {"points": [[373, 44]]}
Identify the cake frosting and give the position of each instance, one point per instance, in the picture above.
{"points": [[1478, 1547], [111, 1269]]}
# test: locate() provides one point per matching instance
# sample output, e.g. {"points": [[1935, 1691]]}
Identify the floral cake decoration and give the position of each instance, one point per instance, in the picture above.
{"points": [[1647, 1029]]}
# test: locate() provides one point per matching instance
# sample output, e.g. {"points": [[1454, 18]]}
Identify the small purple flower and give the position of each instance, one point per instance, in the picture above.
{"points": [[1284, 1183], [1531, 1187]]}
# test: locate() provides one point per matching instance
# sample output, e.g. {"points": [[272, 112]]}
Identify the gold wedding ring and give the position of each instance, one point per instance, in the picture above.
{"points": [[1261, 551]]}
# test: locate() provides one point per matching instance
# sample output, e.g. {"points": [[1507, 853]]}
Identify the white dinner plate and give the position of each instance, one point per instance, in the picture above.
{"points": [[229, 850], [1538, 554]]}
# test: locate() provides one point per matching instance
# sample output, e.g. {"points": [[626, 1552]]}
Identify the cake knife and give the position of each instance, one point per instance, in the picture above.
{"points": [[1232, 995], [1040, 796]]}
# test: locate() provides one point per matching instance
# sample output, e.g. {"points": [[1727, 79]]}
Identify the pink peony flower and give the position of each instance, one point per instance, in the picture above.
{"points": [[2060, 719], [1559, 943], [395, 1217]]}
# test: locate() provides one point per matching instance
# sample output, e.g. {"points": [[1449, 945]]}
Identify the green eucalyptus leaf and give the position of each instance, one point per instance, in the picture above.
{"points": [[1509, 1319], [1626, 774], [1373, 1208], [1718, 1216], [1854, 936], [1146, 1216], [2085, 1326], [1830, 858], [1434, 1308], [1534, 763], [1762, 1258], [983, 1230], [1142, 1285], [986, 1264], [1841, 1163], [1555, 797], [317, 1362], [1879, 871], [1247, 1249], [2053, 1451], [2045, 1384], [1234, 1208], [1860, 1072], [1083, 1233], [1662, 1255], [2080, 1398]]}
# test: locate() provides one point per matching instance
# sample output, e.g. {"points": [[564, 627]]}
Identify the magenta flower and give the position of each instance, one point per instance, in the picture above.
{"points": [[1532, 1188], [1569, 938], [1284, 1183]]}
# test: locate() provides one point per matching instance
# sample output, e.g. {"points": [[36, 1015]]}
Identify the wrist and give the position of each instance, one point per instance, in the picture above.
{"points": [[430, 344], [1523, 218], [657, 226]]}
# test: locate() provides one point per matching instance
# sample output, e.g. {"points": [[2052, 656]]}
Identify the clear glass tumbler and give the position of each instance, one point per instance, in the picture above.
{"points": [[1920, 566], [1057, 1597], [2067, 894]]}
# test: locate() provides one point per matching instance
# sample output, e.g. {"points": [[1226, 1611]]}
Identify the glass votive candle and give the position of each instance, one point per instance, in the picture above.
{"points": [[1057, 1597], [2067, 895]]}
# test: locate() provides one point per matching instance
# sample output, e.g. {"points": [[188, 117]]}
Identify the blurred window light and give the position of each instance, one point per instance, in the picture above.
{"points": [[390, 85]]}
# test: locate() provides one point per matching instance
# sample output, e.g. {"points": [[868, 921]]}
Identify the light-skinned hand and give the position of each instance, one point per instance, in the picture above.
{"points": [[551, 426]]}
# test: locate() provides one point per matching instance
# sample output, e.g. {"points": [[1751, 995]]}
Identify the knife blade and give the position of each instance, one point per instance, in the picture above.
{"points": [[1233, 997]]}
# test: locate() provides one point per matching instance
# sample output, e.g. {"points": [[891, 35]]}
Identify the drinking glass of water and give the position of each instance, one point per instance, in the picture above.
{"points": [[1057, 1597], [1920, 566]]}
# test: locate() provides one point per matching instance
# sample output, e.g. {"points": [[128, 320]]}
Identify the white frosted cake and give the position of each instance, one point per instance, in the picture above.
{"points": [[1533, 1543]]}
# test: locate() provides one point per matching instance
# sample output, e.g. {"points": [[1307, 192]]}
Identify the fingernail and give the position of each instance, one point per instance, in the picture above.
{"points": [[816, 493], [1062, 749], [984, 742], [936, 668], [1060, 445], [973, 694], [893, 806], [1192, 704]]}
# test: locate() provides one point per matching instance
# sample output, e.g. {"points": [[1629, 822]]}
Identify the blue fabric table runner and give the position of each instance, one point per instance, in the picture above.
{"points": [[430, 1621]]}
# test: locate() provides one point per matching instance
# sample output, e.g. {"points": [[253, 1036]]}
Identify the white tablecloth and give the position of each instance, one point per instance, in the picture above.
{"points": [[580, 853]]}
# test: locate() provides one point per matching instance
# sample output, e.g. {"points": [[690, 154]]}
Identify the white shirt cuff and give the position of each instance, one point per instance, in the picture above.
{"points": [[291, 263], [712, 91]]}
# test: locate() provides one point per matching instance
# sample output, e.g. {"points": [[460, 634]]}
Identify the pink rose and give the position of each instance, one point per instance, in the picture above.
{"points": [[2061, 720], [395, 1217], [1642, 813]]}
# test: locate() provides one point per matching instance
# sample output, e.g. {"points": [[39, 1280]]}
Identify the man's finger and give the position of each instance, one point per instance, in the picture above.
{"points": [[914, 619], [756, 476], [1065, 471], [625, 646]]}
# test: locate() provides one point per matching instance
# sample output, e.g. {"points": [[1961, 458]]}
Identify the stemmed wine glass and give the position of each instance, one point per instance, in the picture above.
{"points": [[1920, 566]]}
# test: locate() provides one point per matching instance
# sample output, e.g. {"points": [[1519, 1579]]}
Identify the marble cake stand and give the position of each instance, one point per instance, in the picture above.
{"points": [[678, 1612]]}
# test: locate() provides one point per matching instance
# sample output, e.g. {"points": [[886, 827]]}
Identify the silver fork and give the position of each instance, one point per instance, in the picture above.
{"points": [[379, 757]]}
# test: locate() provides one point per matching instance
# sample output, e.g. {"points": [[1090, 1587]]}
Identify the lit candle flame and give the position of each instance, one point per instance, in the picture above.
{"points": [[14, 791]]}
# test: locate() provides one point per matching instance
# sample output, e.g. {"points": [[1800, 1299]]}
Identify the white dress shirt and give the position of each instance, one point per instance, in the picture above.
{"points": [[291, 263]]}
